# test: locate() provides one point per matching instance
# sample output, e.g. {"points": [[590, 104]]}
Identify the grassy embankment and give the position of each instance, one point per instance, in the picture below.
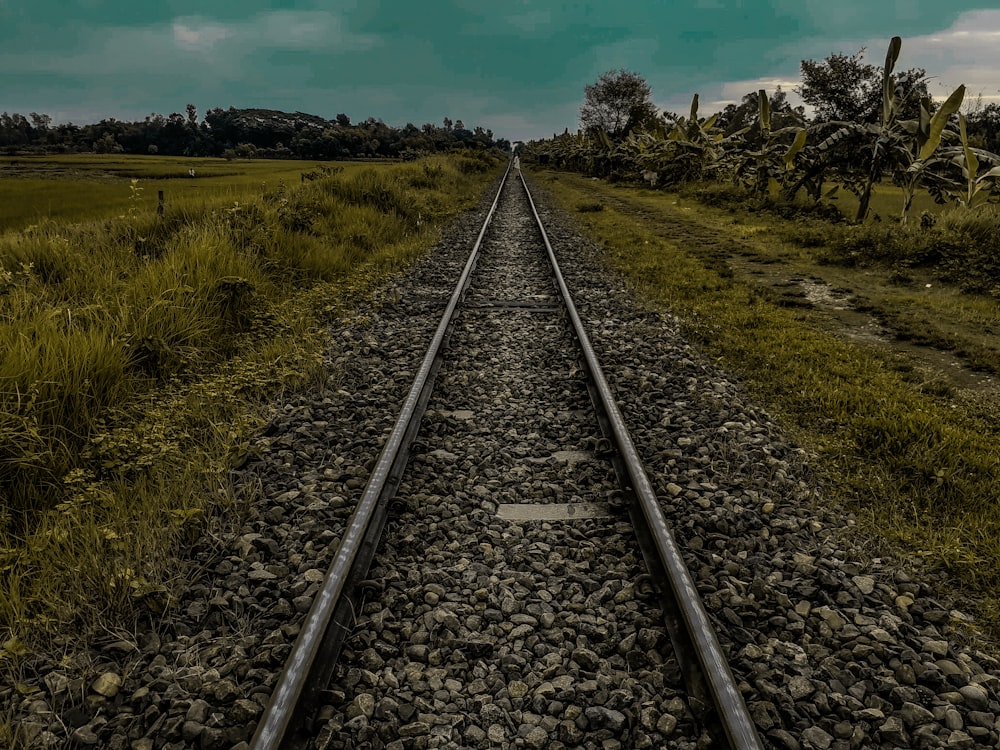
{"points": [[917, 458], [136, 353]]}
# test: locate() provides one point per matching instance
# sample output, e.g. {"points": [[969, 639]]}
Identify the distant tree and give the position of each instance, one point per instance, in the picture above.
{"points": [[246, 151], [240, 133], [447, 123], [15, 130], [844, 87], [617, 103], [107, 144], [41, 123], [983, 123]]}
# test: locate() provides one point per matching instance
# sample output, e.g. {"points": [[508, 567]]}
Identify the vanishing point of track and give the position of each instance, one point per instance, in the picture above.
{"points": [[302, 687]]}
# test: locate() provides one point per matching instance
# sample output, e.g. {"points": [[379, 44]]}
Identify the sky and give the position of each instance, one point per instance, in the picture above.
{"points": [[518, 67]]}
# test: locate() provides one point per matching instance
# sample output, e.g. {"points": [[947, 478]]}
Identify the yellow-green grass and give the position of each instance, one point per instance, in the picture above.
{"points": [[134, 356], [887, 203], [80, 187], [912, 301], [921, 469]]}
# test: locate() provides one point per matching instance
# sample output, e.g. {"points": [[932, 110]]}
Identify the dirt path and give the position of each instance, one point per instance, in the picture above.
{"points": [[824, 291]]}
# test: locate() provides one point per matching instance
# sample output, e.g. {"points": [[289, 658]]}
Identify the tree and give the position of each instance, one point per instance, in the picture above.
{"points": [[983, 123], [107, 144], [847, 89], [617, 103], [41, 123]]}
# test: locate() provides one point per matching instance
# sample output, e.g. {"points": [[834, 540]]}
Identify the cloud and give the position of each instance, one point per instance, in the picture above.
{"points": [[305, 30], [193, 36], [314, 30], [732, 92], [173, 45], [967, 52]]}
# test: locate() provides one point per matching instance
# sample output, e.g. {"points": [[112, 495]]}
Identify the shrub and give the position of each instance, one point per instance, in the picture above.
{"points": [[428, 176], [374, 188], [970, 248], [962, 246], [716, 194], [887, 244], [474, 162]]}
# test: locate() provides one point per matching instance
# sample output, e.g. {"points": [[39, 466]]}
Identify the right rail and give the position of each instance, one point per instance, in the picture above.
{"points": [[687, 620]]}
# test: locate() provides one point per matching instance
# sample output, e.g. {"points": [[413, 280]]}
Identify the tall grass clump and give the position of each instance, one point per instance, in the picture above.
{"points": [[384, 192], [971, 247], [135, 352], [959, 246], [428, 175], [189, 303]]}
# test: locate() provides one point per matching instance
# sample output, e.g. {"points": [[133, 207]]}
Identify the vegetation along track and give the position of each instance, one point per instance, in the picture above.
{"points": [[831, 645]]}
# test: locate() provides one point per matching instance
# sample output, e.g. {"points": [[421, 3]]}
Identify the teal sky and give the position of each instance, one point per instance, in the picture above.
{"points": [[516, 66]]}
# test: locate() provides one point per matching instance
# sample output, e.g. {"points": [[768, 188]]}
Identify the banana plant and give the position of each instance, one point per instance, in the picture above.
{"points": [[905, 147], [927, 136], [973, 189], [698, 142], [884, 131], [673, 152], [815, 161], [766, 168]]}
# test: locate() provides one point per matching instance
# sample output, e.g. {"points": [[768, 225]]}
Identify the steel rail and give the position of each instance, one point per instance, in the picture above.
{"points": [[731, 710], [272, 731]]}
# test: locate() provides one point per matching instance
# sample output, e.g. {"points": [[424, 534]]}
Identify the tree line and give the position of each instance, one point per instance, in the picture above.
{"points": [[241, 133], [839, 88], [867, 124]]}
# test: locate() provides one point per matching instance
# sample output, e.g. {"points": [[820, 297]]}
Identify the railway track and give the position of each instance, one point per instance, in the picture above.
{"points": [[484, 621], [458, 596]]}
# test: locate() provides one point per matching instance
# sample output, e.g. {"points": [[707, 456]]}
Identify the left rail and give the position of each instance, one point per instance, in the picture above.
{"points": [[310, 663]]}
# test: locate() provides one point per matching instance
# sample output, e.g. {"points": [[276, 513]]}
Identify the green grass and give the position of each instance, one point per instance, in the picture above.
{"points": [[922, 469], [135, 353], [887, 203], [81, 187], [914, 281]]}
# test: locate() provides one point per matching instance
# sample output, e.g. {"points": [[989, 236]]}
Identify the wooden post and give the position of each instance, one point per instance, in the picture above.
{"points": [[159, 207]]}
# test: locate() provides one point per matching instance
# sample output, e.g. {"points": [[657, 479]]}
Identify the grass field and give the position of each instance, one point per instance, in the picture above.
{"points": [[905, 435], [887, 203], [81, 187], [137, 353]]}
